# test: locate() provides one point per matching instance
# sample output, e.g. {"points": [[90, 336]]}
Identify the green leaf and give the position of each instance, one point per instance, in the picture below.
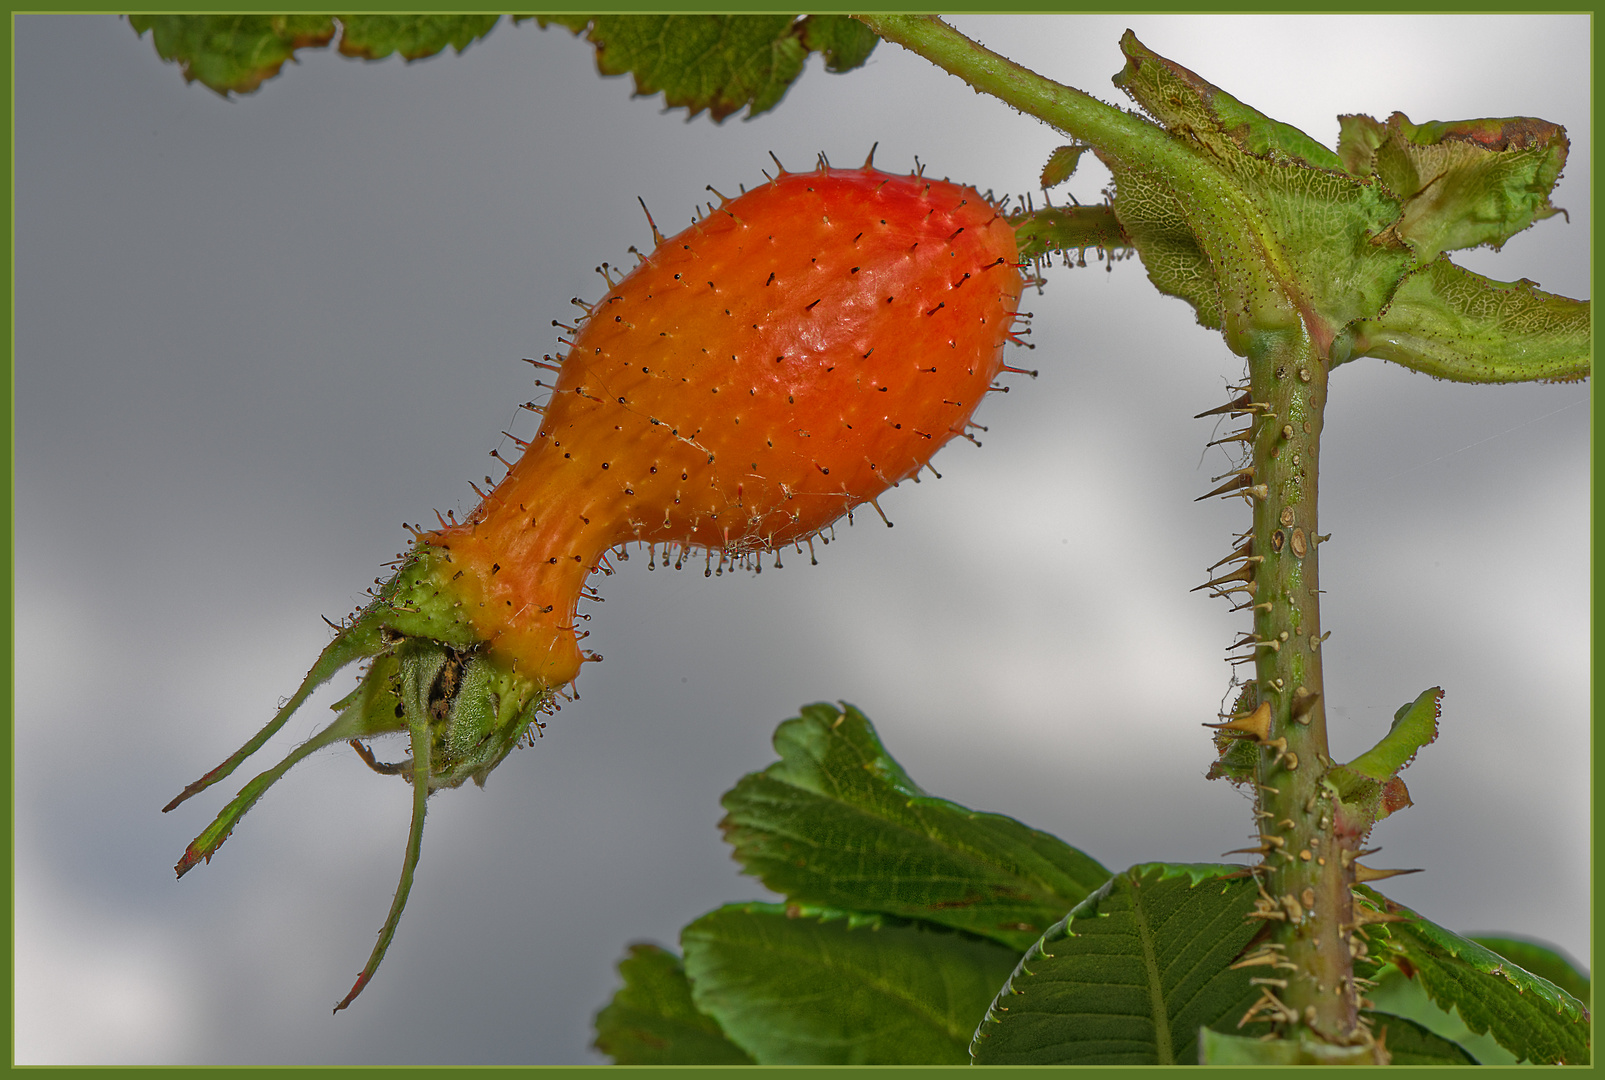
{"points": [[1453, 324], [1469, 182], [236, 53], [1410, 1043], [1131, 974], [652, 1020], [414, 36], [1061, 165], [803, 985], [1398, 995], [1370, 784], [1222, 1048], [1528, 1015], [721, 63], [838, 823], [844, 41], [1541, 959], [232, 53]]}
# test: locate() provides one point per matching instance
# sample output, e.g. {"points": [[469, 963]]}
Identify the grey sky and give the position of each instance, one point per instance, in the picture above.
{"points": [[254, 337]]}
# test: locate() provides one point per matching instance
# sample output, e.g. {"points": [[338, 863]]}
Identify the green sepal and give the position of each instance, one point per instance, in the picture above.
{"points": [[804, 985], [1464, 183], [1525, 1013], [653, 1021], [1246, 218], [1189, 106], [837, 822], [1450, 323], [1131, 974], [1066, 229]]}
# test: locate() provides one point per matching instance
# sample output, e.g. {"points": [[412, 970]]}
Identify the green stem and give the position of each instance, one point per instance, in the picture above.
{"points": [[1306, 873], [1072, 111]]}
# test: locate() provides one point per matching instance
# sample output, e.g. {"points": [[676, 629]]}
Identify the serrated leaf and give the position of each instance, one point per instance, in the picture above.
{"points": [[1450, 323], [721, 63], [801, 985], [414, 36], [837, 822], [1131, 974], [1398, 995], [844, 42], [1467, 183], [232, 53], [1528, 1015], [1541, 959], [653, 1021]]}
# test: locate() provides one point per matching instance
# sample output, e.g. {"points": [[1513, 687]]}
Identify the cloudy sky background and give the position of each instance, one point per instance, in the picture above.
{"points": [[254, 337]]}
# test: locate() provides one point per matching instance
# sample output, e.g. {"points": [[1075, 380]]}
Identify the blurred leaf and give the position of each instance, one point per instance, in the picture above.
{"points": [[652, 1020], [801, 985], [844, 41], [1529, 1015], [721, 63], [236, 53], [838, 823], [1450, 323], [1467, 183], [1066, 228], [1131, 975], [232, 52], [414, 36], [1224, 1048], [1410, 1043]]}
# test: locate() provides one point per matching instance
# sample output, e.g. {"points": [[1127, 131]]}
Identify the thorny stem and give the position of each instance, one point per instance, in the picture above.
{"points": [[1306, 873]]}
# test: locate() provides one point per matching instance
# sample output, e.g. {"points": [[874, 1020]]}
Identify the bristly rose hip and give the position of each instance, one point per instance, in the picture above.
{"points": [[790, 356]]}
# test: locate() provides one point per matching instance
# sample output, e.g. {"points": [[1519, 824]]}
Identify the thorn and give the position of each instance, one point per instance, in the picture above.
{"points": [[1255, 725], [1243, 436], [1303, 702], [1240, 553], [1363, 874], [1237, 405], [1242, 573], [1231, 486], [869, 162]]}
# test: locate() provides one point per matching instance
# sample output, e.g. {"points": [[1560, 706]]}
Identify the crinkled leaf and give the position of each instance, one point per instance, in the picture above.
{"points": [[1453, 324], [1131, 974], [837, 822], [1466, 183], [721, 63], [1262, 227], [844, 42], [803, 985], [232, 53], [413, 35], [1528, 1015], [1066, 228], [653, 1021]]}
